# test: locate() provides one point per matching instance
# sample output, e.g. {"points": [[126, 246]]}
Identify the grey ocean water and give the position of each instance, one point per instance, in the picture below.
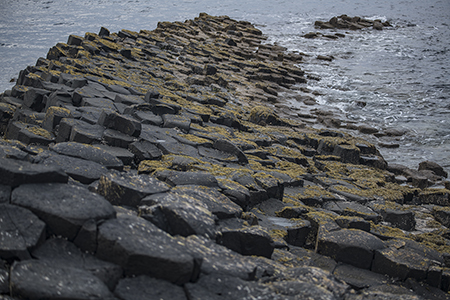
{"points": [[402, 74]]}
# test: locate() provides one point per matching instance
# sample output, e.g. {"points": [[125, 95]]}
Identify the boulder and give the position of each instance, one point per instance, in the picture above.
{"points": [[402, 219], [405, 259], [82, 170], [247, 241], [359, 278], [62, 253], [128, 189], [144, 287], [219, 259], [5, 193], [33, 279], [179, 215], [144, 150], [122, 123], [213, 200], [21, 231], [14, 173], [176, 178], [64, 208], [351, 246], [88, 152], [141, 248], [432, 166]]}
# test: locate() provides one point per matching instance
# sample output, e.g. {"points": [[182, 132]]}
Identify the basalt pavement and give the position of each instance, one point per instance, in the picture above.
{"points": [[170, 164]]}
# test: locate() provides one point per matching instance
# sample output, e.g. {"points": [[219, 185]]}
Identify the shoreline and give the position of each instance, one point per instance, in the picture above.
{"points": [[184, 135]]}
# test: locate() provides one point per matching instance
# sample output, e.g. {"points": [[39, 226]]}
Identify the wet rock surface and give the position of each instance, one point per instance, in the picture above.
{"points": [[169, 164]]}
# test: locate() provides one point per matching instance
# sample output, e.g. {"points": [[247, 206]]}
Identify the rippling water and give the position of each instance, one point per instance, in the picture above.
{"points": [[402, 74]]}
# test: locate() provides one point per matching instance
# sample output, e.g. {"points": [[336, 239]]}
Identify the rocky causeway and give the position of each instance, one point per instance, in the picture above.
{"points": [[169, 164]]}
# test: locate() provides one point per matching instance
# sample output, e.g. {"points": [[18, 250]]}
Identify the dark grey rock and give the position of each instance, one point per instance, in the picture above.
{"points": [[359, 278], [247, 241], [437, 169], [273, 187], [352, 209], [89, 91], [235, 192], [20, 230], [402, 219], [352, 246], [176, 121], [217, 154], [229, 147], [82, 170], [219, 259], [102, 103], [127, 189], [179, 215], [442, 216], [178, 148], [116, 138], [298, 233], [4, 279], [34, 99], [220, 286], [64, 208], [158, 135], [319, 280], [213, 200], [53, 117], [28, 133], [62, 253], [33, 279], [144, 150], [14, 173], [144, 287], [5, 193], [348, 154], [143, 249], [123, 123], [438, 198], [405, 259], [147, 117], [11, 151], [79, 131], [353, 222], [88, 152], [124, 155], [175, 178]]}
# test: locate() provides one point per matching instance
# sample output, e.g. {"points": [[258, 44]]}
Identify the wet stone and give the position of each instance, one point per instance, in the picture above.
{"points": [[141, 248], [33, 279], [144, 287], [127, 189], [14, 173], [88, 152], [62, 253], [64, 208], [21, 231]]}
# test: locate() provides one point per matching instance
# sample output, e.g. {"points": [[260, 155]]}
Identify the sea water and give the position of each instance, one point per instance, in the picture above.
{"points": [[401, 74]]}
